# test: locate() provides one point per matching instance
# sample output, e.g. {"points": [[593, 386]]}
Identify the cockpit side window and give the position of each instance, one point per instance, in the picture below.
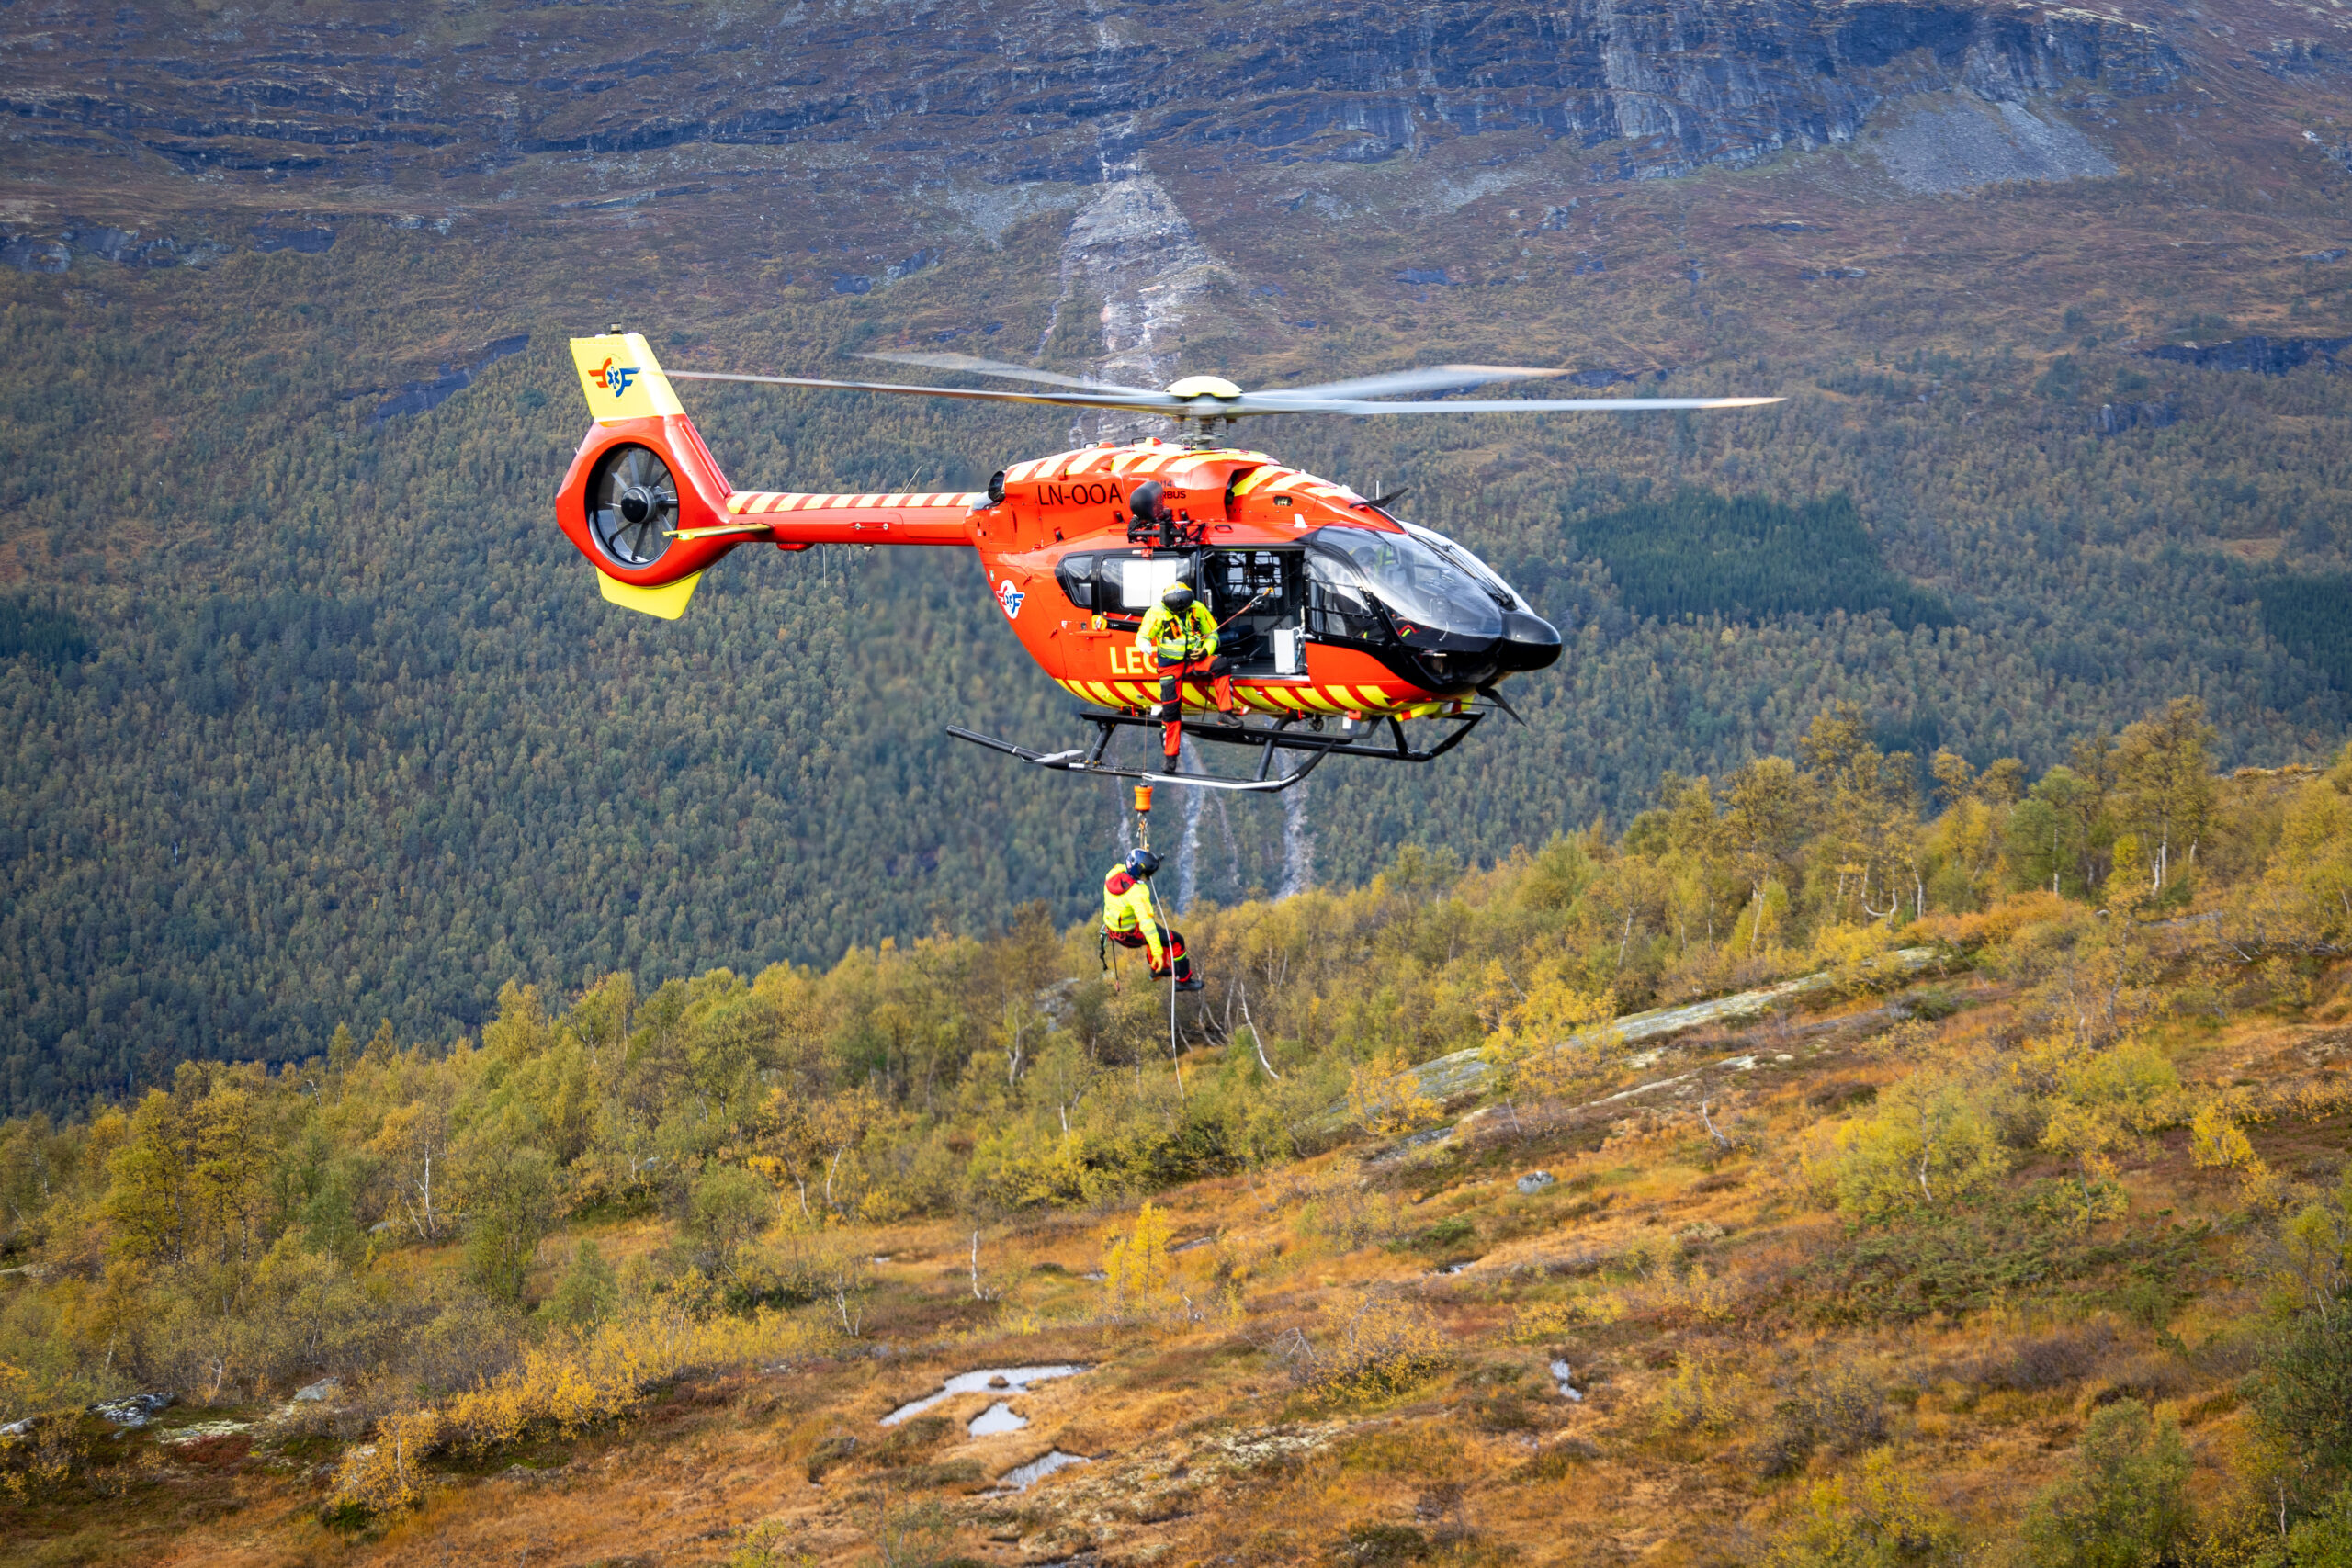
{"points": [[1339, 605], [1421, 587]]}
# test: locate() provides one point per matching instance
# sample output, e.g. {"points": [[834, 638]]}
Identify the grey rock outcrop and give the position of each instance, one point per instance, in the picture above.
{"points": [[993, 91]]}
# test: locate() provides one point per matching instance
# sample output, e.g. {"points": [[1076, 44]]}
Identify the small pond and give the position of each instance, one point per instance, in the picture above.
{"points": [[996, 1417], [1012, 1380], [1021, 1477]]}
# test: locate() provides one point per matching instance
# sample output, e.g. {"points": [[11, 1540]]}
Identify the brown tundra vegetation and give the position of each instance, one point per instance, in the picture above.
{"points": [[2022, 1234]]}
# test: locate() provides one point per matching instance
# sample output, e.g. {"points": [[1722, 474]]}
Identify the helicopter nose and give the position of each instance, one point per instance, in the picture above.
{"points": [[1529, 642]]}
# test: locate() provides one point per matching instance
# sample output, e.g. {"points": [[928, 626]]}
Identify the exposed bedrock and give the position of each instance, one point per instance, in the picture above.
{"points": [[1004, 91]]}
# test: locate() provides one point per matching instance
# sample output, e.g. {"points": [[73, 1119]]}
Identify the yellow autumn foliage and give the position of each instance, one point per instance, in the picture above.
{"points": [[572, 1381], [388, 1474], [1137, 1279]]}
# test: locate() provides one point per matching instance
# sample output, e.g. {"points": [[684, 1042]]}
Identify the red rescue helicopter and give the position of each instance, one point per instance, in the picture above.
{"points": [[1341, 619]]}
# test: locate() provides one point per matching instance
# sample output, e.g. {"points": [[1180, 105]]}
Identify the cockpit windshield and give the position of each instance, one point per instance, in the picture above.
{"points": [[1461, 558], [1422, 585]]}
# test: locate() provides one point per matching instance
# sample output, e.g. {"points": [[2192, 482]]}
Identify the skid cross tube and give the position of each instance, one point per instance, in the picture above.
{"points": [[1278, 737]]}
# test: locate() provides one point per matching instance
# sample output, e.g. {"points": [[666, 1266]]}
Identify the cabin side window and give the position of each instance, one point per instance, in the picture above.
{"points": [[1122, 586], [1075, 574]]}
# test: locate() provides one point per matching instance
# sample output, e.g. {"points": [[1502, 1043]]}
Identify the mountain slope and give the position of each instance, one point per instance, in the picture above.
{"points": [[317, 719]]}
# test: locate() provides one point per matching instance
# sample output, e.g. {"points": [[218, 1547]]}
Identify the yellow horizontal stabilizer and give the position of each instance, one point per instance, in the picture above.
{"points": [[669, 600], [621, 379]]}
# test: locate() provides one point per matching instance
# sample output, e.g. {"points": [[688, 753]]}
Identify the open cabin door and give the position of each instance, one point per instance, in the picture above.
{"points": [[1267, 637]]}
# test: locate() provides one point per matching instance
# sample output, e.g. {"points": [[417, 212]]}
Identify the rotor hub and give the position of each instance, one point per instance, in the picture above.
{"points": [[638, 504], [1203, 387]]}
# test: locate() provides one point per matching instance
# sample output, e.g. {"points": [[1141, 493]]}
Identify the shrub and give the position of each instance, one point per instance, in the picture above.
{"points": [[1375, 1346], [573, 1381], [1697, 1398], [730, 1207], [1927, 1141], [1874, 1519], [2124, 1505], [2304, 1392], [1840, 1408], [1384, 1095], [2027, 1365], [2323, 1540], [1345, 1211], [388, 1474], [1376, 1546], [2216, 1142], [589, 1289]]}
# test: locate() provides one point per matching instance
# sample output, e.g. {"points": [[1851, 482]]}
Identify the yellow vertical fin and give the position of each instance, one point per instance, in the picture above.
{"points": [[621, 380]]}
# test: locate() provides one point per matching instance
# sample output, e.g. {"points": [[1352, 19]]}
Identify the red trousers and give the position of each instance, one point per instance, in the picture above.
{"points": [[1172, 945]]}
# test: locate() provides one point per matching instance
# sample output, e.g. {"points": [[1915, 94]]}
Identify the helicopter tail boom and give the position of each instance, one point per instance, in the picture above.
{"points": [[796, 520], [648, 506]]}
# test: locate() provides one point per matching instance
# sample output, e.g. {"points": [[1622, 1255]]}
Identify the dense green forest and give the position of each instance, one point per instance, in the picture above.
{"points": [[1747, 559], [2311, 618], [310, 714]]}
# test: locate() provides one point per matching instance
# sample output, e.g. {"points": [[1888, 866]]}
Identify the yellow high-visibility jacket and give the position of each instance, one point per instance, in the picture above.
{"points": [[1174, 639], [1127, 906]]}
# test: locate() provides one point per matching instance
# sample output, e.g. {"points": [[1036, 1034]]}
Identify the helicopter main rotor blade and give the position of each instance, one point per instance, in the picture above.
{"points": [[974, 365], [1138, 402], [1515, 405], [1245, 406], [1430, 378]]}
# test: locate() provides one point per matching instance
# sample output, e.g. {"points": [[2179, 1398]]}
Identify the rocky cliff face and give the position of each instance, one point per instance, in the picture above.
{"points": [[361, 93]]}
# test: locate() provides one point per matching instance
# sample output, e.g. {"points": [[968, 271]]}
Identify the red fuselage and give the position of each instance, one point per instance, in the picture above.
{"points": [[1326, 603]]}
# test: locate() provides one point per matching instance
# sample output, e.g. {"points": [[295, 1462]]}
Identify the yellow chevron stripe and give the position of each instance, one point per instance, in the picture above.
{"points": [[1256, 477], [1374, 696], [1315, 697]]}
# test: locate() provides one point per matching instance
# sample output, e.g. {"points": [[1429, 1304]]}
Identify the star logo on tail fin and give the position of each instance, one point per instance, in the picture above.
{"points": [[616, 377]]}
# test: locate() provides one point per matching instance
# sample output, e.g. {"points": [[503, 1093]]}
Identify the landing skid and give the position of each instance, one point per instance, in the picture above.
{"points": [[1269, 739]]}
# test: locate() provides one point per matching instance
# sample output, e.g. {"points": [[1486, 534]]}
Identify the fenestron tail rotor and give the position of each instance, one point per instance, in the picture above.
{"points": [[632, 505]]}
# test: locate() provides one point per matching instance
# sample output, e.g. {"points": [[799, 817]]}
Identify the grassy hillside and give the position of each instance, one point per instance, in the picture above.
{"points": [[2037, 1255]]}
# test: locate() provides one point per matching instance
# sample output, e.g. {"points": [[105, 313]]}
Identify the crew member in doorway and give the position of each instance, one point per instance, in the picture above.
{"points": [[1181, 636], [1131, 919]]}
